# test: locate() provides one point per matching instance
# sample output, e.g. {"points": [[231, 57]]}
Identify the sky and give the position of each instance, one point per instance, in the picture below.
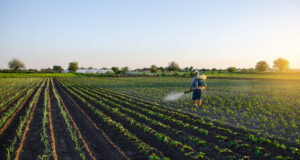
{"points": [[138, 33]]}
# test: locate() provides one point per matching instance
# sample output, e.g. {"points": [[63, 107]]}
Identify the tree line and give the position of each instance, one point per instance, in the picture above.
{"points": [[280, 64]]}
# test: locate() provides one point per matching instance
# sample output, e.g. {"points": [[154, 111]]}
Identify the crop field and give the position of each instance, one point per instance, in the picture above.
{"points": [[127, 118], [268, 107]]}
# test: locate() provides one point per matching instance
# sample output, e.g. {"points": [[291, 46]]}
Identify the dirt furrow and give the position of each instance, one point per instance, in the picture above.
{"points": [[147, 138], [28, 130], [7, 132], [11, 102], [211, 138], [53, 143], [3, 109], [87, 148], [120, 140], [97, 142], [65, 147], [18, 112]]}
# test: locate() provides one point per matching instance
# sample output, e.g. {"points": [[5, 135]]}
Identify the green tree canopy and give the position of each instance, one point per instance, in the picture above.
{"points": [[261, 66], [124, 69], [162, 69], [58, 69], [15, 65], [115, 69], [173, 66], [281, 64], [46, 70], [231, 69], [153, 68], [73, 66]]}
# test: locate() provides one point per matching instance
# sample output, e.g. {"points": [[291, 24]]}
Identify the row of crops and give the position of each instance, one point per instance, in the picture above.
{"points": [[66, 119], [27, 130], [184, 135], [268, 107]]}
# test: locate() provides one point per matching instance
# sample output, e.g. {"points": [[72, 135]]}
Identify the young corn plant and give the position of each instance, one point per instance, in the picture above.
{"points": [[19, 132], [72, 131], [47, 152]]}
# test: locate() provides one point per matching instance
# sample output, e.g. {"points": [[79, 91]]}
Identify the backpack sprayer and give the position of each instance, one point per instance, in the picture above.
{"points": [[201, 82]]}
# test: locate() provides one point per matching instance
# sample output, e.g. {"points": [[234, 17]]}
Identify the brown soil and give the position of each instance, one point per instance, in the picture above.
{"points": [[127, 146], [214, 132], [16, 98], [65, 147], [9, 132], [17, 111], [30, 141], [51, 134], [99, 144], [32, 145], [3, 109], [101, 141], [147, 138]]}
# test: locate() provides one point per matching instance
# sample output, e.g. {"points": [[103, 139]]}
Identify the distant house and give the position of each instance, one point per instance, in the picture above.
{"points": [[146, 70], [65, 71], [105, 70], [94, 71], [86, 71]]}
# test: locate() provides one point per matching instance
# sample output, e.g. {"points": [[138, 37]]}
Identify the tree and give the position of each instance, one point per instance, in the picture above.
{"points": [[186, 69], [58, 69], [73, 66], [153, 68], [281, 64], [46, 70], [162, 69], [173, 66], [203, 69], [115, 69], [231, 69], [191, 68], [32, 70], [138, 70], [261, 66], [124, 69], [15, 65]]}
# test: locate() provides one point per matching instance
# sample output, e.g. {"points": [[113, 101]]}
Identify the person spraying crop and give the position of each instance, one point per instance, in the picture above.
{"points": [[197, 86]]}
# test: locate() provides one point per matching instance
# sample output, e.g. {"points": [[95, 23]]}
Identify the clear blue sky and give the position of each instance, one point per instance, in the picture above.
{"points": [[138, 33]]}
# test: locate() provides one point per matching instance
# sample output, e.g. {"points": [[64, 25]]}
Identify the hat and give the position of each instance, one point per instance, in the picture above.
{"points": [[196, 72]]}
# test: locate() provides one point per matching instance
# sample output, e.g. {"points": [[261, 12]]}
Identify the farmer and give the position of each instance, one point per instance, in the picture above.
{"points": [[197, 86]]}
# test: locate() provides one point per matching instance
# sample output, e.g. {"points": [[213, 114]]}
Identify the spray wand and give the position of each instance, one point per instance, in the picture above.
{"points": [[191, 90]]}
